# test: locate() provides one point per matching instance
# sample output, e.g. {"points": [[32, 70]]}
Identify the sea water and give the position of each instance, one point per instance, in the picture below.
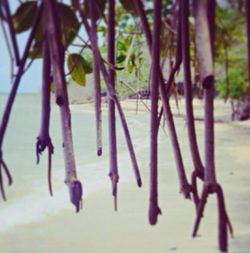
{"points": [[28, 197]]}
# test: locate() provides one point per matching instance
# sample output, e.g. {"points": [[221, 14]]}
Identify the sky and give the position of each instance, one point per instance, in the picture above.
{"points": [[31, 81]]}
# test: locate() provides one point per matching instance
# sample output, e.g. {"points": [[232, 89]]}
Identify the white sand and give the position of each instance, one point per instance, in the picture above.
{"points": [[99, 229]]}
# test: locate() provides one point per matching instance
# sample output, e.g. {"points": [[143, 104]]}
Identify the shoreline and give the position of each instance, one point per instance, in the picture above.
{"points": [[98, 228], [222, 109]]}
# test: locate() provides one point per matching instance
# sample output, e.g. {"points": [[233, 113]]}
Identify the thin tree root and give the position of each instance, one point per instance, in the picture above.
{"points": [[41, 145], [186, 190], [195, 195], [154, 211], [4, 168], [114, 181], [224, 222], [76, 192]]}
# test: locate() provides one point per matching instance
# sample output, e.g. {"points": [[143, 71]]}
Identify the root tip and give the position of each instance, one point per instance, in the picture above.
{"points": [[139, 183], [115, 203], [154, 211], [99, 152]]}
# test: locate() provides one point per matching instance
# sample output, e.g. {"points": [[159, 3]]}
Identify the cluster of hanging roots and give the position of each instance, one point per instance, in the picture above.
{"points": [[53, 53]]}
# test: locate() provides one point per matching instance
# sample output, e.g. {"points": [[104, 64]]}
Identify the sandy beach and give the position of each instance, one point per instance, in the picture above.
{"points": [[98, 228]]}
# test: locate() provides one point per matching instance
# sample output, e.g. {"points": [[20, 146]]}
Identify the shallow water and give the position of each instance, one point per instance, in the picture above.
{"points": [[39, 223], [28, 198]]}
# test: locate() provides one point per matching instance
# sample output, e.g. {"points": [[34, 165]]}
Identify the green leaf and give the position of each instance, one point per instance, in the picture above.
{"points": [[120, 59], [132, 59], [69, 24], [36, 50], [76, 66], [51, 87], [102, 29], [130, 68], [24, 15], [121, 46], [69, 29], [87, 65]]}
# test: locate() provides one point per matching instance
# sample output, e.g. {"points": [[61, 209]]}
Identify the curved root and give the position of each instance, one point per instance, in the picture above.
{"points": [[41, 145], [223, 219], [4, 168]]}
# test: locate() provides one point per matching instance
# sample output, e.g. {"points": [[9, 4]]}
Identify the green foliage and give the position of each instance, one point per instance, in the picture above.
{"points": [[70, 24], [230, 52], [88, 59], [131, 61], [237, 83], [120, 59], [102, 29], [121, 52], [78, 68], [229, 30]]}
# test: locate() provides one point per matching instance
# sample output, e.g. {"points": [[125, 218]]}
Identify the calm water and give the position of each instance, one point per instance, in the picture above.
{"points": [[28, 198]]}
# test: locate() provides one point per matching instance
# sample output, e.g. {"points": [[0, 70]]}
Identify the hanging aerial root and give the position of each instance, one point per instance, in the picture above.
{"points": [[11, 98], [4, 168], [111, 92], [196, 174], [76, 192], [41, 145], [184, 185], [154, 211], [43, 139], [129, 142], [224, 221], [97, 84], [114, 181], [194, 149], [111, 55], [195, 194], [186, 190], [56, 50]]}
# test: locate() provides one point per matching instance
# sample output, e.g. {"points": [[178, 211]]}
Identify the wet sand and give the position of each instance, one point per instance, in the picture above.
{"points": [[98, 228]]}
